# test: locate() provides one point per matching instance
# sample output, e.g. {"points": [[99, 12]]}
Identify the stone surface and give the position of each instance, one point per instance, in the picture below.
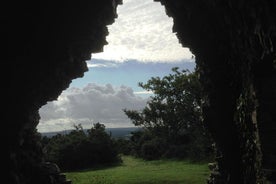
{"points": [[234, 44], [45, 44]]}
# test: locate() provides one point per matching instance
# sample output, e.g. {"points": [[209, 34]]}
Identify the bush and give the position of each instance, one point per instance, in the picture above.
{"points": [[81, 150], [124, 146], [153, 149], [176, 151]]}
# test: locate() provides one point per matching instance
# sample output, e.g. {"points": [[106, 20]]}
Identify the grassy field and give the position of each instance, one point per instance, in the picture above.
{"points": [[136, 171]]}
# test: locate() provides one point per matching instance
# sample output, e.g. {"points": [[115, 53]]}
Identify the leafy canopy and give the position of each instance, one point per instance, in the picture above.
{"points": [[173, 113]]}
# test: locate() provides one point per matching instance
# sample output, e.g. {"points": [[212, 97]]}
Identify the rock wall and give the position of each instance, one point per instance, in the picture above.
{"points": [[46, 44], [234, 45]]}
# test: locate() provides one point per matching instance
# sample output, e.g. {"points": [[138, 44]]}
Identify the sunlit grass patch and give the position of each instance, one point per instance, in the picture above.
{"points": [[137, 171]]}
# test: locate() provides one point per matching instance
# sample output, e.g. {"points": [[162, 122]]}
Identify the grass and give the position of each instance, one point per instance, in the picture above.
{"points": [[137, 171]]}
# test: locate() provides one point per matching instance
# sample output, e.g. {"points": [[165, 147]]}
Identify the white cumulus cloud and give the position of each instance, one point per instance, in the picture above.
{"points": [[90, 104], [143, 32]]}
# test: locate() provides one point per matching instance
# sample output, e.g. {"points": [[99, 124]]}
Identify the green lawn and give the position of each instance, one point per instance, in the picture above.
{"points": [[137, 171]]}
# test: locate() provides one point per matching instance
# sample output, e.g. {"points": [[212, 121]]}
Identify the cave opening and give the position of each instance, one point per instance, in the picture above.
{"points": [[141, 45]]}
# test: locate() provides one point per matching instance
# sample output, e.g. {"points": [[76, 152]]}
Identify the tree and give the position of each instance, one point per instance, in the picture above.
{"points": [[173, 113], [81, 149]]}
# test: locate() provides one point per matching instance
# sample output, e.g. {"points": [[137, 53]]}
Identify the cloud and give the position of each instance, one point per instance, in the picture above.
{"points": [[142, 32], [102, 64], [143, 92], [90, 104]]}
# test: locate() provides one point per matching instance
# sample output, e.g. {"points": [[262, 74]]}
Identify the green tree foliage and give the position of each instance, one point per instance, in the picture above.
{"points": [[123, 146], [81, 149], [172, 118]]}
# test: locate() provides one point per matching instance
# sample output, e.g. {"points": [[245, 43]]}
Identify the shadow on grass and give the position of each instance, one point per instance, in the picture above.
{"points": [[184, 161], [163, 182], [97, 167]]}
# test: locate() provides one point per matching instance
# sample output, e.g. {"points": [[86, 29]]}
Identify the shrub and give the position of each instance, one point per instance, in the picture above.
{"points": [[81, 150]]}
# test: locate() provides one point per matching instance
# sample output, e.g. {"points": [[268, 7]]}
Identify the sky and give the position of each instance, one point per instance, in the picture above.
{"points": [[141, 45]]}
